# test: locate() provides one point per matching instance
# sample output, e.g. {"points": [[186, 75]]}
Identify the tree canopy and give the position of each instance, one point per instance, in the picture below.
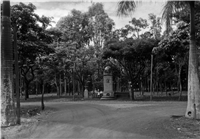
{"points": [[83, 43]]}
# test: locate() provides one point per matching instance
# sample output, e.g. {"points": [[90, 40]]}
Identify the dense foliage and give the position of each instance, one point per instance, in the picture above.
{"points": [[75, 52]]}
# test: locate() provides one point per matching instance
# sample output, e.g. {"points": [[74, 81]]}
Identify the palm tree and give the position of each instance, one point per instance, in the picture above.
{"points": [[193, 105], [8, 115]]}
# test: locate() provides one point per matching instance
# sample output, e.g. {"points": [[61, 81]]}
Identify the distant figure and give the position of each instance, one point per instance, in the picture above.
{"points": [[101, 93], [22, 92], [96, 92]]}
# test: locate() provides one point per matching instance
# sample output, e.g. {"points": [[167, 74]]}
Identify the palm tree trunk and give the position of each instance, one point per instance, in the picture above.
{"points": [[17, 75], [8, 114], [193, 105]]}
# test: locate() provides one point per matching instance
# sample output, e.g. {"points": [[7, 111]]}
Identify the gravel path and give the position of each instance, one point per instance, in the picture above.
{"points": [[108, 120]]}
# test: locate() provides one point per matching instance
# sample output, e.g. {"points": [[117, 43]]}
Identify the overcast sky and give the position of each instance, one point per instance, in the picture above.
{"points": [[60, 8]]}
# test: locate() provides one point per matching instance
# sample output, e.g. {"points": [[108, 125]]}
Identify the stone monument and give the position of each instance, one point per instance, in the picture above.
{"points": [[86, 95], [107, 84]]}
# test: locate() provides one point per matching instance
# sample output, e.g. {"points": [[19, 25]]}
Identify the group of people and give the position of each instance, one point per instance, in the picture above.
{"points": [[98, 93]]}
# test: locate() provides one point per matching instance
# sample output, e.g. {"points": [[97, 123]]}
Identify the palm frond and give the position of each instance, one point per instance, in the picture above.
{"points": [[169, 9], [126, 7], [172, 7]]}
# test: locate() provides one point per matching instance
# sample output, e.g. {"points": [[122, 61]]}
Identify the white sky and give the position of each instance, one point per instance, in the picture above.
{"points": [[60, 8]]}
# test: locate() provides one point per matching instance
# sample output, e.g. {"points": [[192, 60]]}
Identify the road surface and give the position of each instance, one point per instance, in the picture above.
{"points": [[108, 120]]}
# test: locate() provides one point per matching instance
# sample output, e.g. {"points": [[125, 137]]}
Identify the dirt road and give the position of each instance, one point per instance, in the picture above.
{"points": [[108, 120]]}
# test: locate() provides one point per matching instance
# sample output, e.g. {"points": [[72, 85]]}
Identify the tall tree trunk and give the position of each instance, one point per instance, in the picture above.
{"points": [[157, 83], [60, 85], [8, 114], [58, 90], [179, 82], [26, 90], [165, 88], [57, 87], [73, 82], [161, 89], [17, 75], [36, 88], [65, 84], [132, 93], [42, 97], [68, 88], [193, 104], [180, 95], [151, 80], [148, 85], [82, 88], [93, 87], [78, 87], [131, 90]]}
